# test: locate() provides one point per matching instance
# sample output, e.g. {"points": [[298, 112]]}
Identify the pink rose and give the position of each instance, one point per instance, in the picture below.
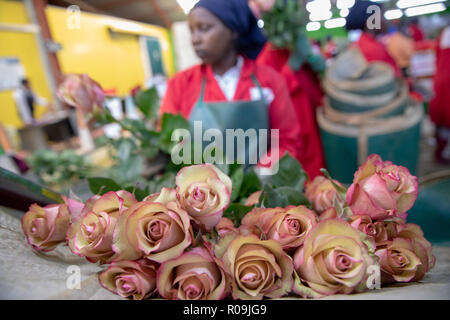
{"points": [[333, 259], [46, 227], [204, 192], [195, 275], [322, 194], [398, 262], [152, 230], [91, 235], [258, 268], [288, 226], [381, 189], [130, 279], [422, 248], [80, 91]]}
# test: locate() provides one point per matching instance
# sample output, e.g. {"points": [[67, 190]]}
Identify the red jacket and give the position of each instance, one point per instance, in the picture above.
{"points": [[374, 50], [440, 105], [306, 95], [183, 92]]}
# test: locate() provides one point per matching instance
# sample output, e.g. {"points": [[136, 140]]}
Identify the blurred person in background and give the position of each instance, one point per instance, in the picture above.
{"points": [[414, 30], [400, 46], [26, 101], [305, 91], [229, 90], [440, 104], [369, 42]]}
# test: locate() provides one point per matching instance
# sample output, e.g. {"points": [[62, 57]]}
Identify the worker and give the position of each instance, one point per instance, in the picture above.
{"points": [[440, 104], [26, 101], [368, 43], [229, 90]]}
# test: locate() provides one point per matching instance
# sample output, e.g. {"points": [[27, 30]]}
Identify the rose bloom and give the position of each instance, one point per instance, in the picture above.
{"points": [[195, 275], [80, 91], [91, 235], [46, 227], [164, 196], [130, 279], [321, 193], [421, 247], [152, 230], [381, 189], [333, 259], [204, 192], [258, 268], [398, 262], [288, 226]]}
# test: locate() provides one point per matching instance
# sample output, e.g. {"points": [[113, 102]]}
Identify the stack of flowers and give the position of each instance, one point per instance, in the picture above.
{"points": [[176, 244]]}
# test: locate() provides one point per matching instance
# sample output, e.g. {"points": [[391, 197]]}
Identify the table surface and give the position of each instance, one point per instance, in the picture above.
{"points": [[27, 274]]}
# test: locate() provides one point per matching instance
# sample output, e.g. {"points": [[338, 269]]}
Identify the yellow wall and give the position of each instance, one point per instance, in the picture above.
{"points": [[115, 62], [24, 47]]}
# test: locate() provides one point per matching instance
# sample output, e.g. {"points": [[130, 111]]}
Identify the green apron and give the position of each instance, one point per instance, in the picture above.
{"points": [[234, 115]]}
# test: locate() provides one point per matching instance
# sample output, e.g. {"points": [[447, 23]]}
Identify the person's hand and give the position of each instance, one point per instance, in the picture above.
{"points": [[258, 7]]}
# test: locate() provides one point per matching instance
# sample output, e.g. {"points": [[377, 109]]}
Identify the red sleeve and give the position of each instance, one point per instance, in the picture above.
{"points": [[169, 103], [282, 116]]}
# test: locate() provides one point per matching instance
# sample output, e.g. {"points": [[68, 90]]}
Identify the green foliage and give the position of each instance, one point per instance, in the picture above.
{"points": [[59, 169], [284, 24], [148, 102]]}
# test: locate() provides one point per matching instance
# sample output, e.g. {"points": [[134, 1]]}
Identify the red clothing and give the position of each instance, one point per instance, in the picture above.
{"points": [[374, 50], [440, 105], [306, 96], [416, 33], [183, 92]]}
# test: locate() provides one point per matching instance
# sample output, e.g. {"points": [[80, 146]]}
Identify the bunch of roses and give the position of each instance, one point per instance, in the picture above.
{"points": [[176, 245]]}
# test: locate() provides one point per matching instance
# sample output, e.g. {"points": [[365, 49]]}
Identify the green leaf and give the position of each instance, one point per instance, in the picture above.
{"points": [[148, 102], [169, 124], [271, 198], [100, 186], [150, 146], [236, 178], [104, 117], [290, 174], [138, 193], [235, 212], [294, 196], [250, 184], [167, 180]]}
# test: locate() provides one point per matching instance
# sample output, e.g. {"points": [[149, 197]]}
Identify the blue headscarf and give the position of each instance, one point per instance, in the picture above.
{"points": [[238, 17], [358, 15]]}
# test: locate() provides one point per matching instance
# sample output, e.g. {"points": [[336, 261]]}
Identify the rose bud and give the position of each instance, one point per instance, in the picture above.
{"points": [[204, 192], [130, 279], [46, 227], [422, 248], [321, 193], [91, 235], [195, 275], [152, 230], [80, 91], [253, 199], [258, 268], [288, 226], [226, 226], [333, 259], [398, 262], [381, 189]]}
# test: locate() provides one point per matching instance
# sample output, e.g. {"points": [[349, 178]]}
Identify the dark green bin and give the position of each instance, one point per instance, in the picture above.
{"points": [[347, 146]]}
